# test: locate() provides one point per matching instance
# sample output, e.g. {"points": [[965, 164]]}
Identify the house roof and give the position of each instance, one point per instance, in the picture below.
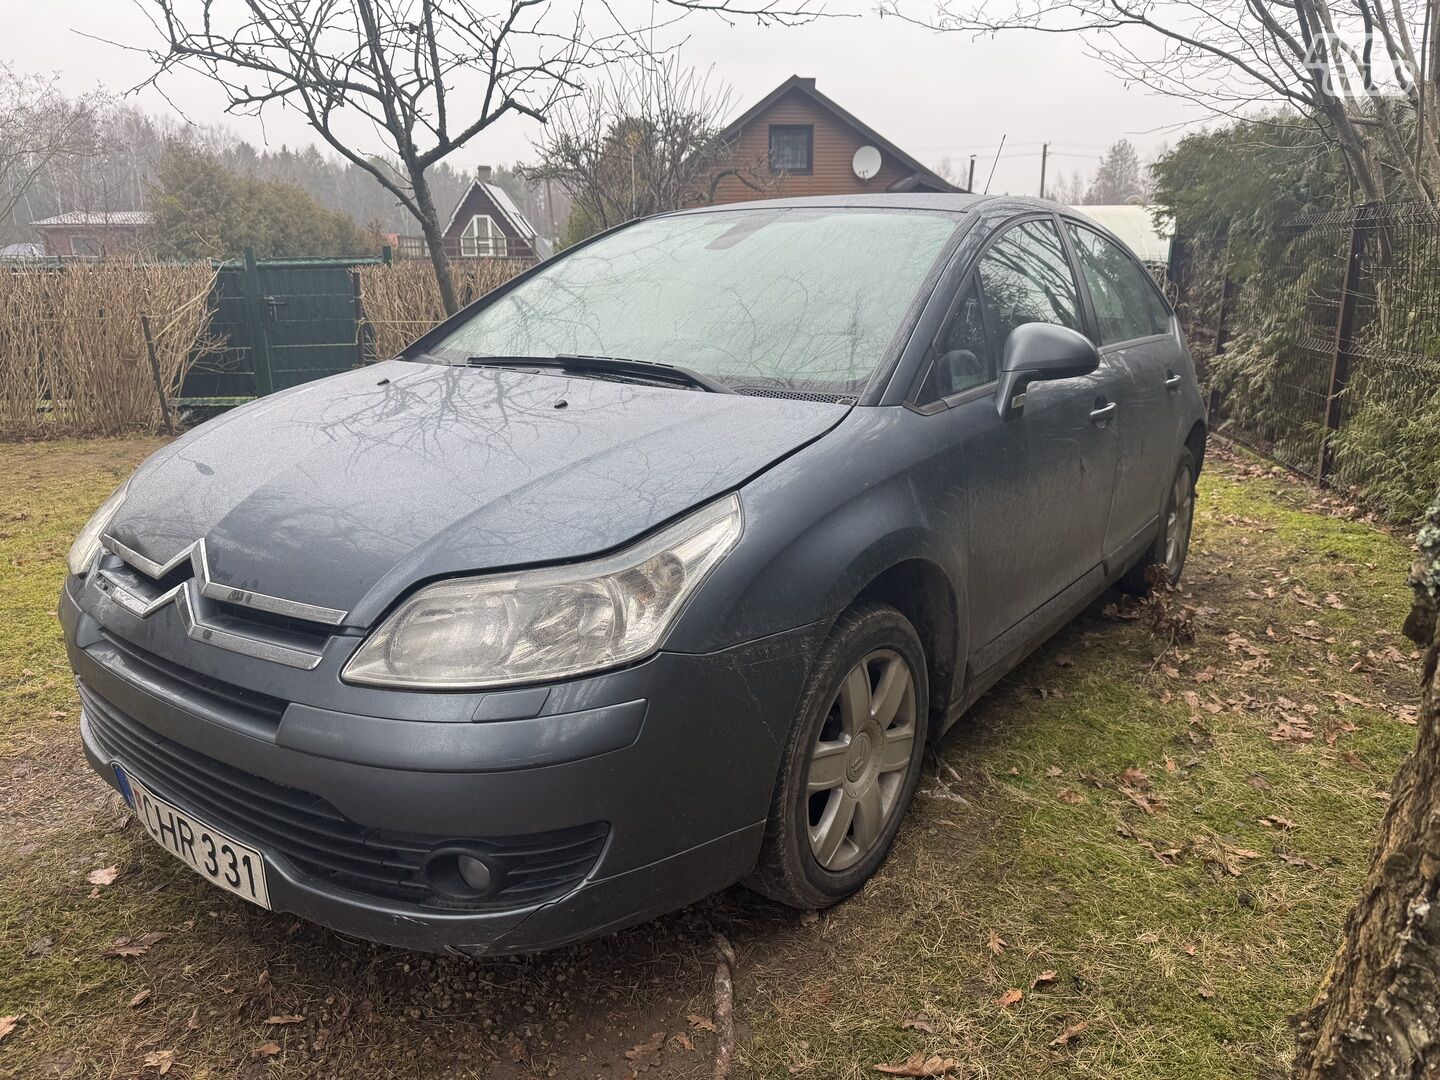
{"points": [[503, 203], [129, 219], [806, 86]]}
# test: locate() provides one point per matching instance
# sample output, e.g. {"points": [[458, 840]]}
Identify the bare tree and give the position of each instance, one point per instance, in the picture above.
{"points": [[1367, 70], [39, 128], [647, 139], [420, 77], [1378, 1013]]}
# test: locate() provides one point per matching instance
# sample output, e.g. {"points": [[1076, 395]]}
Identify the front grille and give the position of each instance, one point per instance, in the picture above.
{"points": [[259, 709], [322, 843]]}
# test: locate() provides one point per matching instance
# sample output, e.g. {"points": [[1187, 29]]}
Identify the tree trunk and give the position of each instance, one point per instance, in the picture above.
{"points": [[1377, 1014], [434, 240]]}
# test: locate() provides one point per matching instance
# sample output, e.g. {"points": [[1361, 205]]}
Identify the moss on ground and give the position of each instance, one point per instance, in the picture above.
{"points": [[1117, 812]]}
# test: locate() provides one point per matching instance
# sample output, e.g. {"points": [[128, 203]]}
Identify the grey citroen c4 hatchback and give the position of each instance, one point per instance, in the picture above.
{"points": [[650, 572]]}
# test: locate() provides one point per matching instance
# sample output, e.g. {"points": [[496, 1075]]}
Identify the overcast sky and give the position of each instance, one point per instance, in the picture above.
{"points": [[934, 95]]}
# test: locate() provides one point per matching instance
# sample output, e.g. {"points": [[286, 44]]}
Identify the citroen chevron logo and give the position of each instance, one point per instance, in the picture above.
{"points": [[186, 596]]}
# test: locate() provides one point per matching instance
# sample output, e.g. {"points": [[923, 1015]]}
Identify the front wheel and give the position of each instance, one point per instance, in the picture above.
{"points": [[1167, 555], [851, 764]]}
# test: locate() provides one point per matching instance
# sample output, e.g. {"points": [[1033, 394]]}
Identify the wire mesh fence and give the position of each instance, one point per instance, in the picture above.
{"points": [[1333, 367]]}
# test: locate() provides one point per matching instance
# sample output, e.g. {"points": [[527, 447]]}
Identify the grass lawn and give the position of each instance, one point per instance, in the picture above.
{"points": [[1154, 837]]}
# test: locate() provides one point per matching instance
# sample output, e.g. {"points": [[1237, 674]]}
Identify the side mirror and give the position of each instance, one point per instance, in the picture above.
{"points": [[1037, 352]]}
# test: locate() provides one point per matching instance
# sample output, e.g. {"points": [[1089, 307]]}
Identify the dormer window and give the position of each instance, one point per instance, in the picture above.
{"points": [[482, 237]]}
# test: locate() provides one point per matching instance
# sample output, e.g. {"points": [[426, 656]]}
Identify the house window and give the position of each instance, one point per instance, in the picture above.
{"points": [[482, 237], [792, 148]]}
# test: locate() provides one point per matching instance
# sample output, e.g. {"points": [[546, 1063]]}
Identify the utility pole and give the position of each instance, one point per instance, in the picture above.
{"points": [[1044, 159], [970, 183]]}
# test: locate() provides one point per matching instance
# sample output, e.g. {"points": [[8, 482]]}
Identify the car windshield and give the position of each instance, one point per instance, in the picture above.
{"points": [[797, 298]]}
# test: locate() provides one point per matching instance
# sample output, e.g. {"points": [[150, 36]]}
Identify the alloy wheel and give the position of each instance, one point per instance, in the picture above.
{"points": [[1179, 522], [859, 762]]}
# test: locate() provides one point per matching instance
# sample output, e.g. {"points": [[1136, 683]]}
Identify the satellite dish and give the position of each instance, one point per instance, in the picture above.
{"points": [[866, 162]]}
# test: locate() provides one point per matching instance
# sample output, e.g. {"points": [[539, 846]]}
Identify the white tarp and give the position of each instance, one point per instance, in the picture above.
{"points": [[1136, 226]]}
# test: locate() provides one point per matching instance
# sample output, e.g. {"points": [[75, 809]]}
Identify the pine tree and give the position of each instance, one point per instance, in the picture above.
{"points": [[1118, 178]]}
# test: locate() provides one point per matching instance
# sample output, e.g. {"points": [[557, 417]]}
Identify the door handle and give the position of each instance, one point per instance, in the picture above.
{"points": [[1173, 382], [1103, 413]]}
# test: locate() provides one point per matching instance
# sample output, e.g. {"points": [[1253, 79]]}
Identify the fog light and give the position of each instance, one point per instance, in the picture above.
{"points": [[473, 872], [460, 872]]}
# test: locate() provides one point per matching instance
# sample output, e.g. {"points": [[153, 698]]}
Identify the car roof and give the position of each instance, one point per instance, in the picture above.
{"points": [[953, 202]]}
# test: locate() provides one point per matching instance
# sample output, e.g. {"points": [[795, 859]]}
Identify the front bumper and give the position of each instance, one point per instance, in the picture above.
{"points": [[669, 763]]}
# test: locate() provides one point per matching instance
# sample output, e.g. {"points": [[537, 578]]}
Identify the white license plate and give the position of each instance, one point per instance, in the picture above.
{"points": [[233, 866]]}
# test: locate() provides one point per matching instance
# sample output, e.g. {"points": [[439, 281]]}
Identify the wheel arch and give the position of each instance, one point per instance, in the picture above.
{"points": [[921, 591], [1195, 443]]}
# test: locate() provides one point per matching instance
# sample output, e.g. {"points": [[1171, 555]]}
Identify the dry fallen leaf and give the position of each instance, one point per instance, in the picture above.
{"points": [[1045, 978], [1144, 802], [41, 946], [161, 1060], [647, 1053], [700, 1022], [1135, 778], [918, 1023], [136, 946], [920, 1064], [1071, 1030], [105, 876], [266, 1049], [996, 944], [683, 1041], [1206, 993], [1054, 771], [1009, 997], [140, 998], [285, 1019], [1070, 796], [7, 1024]]}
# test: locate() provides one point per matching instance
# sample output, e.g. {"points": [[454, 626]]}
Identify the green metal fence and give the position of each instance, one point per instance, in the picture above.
{"points": [[279, 322]]}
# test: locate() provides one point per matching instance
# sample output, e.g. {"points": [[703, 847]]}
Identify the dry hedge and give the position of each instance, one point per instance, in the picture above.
{"points": [[72, 356], [73, 359], [402, 301]]}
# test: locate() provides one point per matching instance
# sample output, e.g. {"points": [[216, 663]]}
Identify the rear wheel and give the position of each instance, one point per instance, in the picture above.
{"points": [[851, 764], [1165, 559]]}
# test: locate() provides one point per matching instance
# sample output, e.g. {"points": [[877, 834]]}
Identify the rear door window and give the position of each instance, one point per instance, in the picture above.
{"points": [[1127, 305]]}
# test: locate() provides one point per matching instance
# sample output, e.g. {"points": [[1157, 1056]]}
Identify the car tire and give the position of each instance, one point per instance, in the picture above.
{"points": [[868, 738], [1172, 540]]}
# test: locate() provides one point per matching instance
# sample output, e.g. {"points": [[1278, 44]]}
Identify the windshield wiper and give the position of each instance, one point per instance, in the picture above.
{"points": [[643, 370]]}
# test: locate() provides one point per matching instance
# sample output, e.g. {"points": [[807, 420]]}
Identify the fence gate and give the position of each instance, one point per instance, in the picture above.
{"points": [[277, 323]]}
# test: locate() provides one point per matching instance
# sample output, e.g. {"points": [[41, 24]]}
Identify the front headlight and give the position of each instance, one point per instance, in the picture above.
{"points": [[501, 629], [87, 545]]}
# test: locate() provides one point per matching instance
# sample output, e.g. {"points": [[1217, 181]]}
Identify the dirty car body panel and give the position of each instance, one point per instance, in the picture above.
{"points": [[250, 561]]}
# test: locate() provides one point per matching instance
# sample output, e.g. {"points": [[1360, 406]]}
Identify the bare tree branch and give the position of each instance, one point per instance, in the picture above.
{"points": [[1232, 55], [391, 69]]}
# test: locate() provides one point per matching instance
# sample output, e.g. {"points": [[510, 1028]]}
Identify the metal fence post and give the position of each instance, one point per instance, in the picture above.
{"points": [[1227, 306], [259, 332], [1344, 341], [362, 327], [155, 373]]}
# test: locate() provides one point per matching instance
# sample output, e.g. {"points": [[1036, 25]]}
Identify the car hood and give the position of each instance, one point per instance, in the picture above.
{"points": [[345, 491]]}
